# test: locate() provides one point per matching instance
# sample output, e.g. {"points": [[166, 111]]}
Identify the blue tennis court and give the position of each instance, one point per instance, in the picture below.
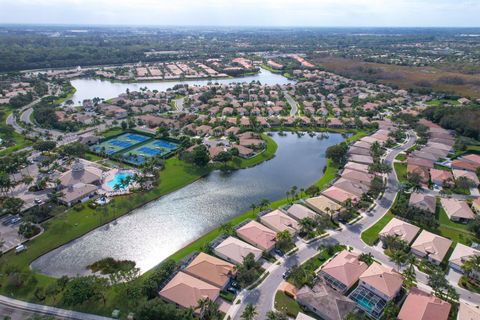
{"points": [[165, 144], [119, 143], [136, 137], [150, 151]]}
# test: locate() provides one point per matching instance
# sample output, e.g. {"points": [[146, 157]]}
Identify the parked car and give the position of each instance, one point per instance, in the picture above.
{"points": [[279, 252], [232, 290], [286, 274], [20, 248]]}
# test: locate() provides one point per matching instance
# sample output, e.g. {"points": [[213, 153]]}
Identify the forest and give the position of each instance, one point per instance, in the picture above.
{"points": [[464, 120]]}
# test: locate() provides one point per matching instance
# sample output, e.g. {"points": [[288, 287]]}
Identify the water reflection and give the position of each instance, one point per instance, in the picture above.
{"points": [[150, 234], [90, 88]]}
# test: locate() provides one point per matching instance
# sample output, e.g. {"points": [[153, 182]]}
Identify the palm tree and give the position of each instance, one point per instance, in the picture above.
{"points": [[226, 228], [264, 203], [366, 257], [253, 206], [249, 312], [275, 315], [471, 267], [398, 257], [284, 240], [208, 309]]}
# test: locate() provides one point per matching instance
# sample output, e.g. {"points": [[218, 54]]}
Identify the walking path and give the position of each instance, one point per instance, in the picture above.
{"points": [[263, 296]]}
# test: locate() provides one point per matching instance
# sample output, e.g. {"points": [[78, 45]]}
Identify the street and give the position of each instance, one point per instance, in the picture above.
{"points": [[263, 296]]}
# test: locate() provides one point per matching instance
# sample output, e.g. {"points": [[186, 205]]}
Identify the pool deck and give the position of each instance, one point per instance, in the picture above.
{"points": [[110, 175]]}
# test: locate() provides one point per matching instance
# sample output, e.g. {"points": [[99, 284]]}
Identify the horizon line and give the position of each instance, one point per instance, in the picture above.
{"points": [[233, 26]]}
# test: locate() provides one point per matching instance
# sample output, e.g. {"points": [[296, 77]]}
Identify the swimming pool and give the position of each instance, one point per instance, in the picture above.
{"points": [[117, 179]]}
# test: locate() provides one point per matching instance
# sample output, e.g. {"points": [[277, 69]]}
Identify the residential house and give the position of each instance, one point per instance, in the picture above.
{"points": [[343, 271], [257, 235], [185, 291], [470, 175], [299, 212], [325, 302], [235, 250], [324, 205], [210, 269], [431, 246], [468, 312], [460, 254], [441, 177], [420, 305], [457, 210], [401, 229], [279, 221], [423, 201]]}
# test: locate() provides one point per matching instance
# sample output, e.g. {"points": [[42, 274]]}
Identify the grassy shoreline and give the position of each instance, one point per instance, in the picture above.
{"points": [[73, 224]]}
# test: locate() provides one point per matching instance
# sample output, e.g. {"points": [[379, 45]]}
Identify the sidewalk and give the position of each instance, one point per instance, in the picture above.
{"points": [[46, 310]]}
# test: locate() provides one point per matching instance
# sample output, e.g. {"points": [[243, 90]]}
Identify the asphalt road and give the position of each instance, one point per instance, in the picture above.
{"points": [[263, 296], [293, 104]]}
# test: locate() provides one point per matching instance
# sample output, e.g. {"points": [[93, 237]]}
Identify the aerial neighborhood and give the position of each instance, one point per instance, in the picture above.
{"points": [[240, 184]]}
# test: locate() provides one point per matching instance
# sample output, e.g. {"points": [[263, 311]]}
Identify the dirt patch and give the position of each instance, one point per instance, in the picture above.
{"points": [[405, 77]]}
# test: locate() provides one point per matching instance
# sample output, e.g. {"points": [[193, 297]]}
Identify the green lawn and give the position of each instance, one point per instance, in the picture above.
{"points": [[401, 171], [73, 223], [438, 102], [19, 140], [370, 236], [457, 232], [112, 132], [401, 157], [286, 304], [267, 154]]}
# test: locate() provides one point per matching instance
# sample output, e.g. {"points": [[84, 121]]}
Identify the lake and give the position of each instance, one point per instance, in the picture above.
{"points": [[90, 88], [150, 234]]}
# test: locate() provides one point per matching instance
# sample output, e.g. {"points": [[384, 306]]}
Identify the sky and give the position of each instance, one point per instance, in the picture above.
{"points": [[319, 13]]}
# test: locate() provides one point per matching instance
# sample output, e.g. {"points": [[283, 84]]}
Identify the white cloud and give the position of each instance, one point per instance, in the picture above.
{"points": [[245, 12]]}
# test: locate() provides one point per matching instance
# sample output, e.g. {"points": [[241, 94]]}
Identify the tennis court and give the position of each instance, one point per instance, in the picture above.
{"points": [[151, 149], [118, 144]]}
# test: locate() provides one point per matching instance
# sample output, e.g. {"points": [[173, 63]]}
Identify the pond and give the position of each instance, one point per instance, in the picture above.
{"points": [[90, 88], [153, 232]]}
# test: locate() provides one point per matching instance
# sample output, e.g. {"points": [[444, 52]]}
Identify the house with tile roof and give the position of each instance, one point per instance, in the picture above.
{"points": [[460, 254], [324, 301], [343, 271], [384, 281], [210, 269], [401, 229], [257, 235], [279, 221], [457, 210], [299, 212], [431, 246], [235, 250], [423, 201], [185, 290], [420, 305], [324, 205]]}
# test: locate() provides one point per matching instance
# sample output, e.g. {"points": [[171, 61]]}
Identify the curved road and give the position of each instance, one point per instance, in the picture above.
{"points": [[293, 104], [263, 296]]}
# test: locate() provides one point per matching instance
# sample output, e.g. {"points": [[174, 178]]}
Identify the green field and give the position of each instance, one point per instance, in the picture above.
{"points": [[401, 171], [19, 141], [370, 236], [457, 232], [286, 304]]}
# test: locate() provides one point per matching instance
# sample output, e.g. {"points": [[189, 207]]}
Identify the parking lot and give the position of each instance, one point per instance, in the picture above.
{"points": [[9, 234]]}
